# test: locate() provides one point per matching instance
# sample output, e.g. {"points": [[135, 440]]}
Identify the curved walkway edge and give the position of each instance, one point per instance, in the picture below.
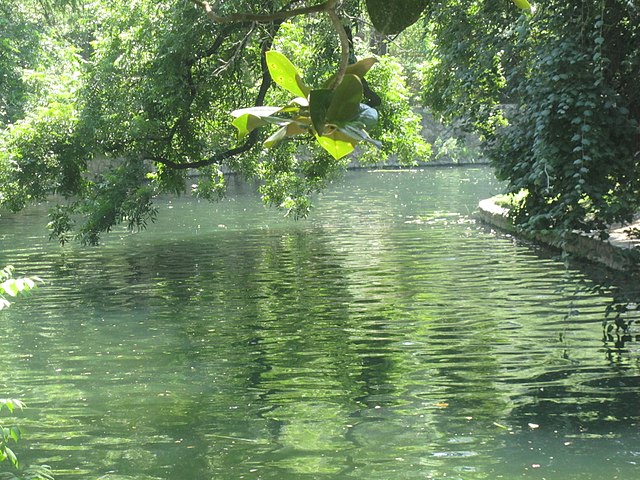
{"points": [[619, 251]]}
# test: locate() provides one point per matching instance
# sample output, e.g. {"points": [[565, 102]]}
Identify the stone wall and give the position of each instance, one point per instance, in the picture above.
{"points": [[619, 252]]}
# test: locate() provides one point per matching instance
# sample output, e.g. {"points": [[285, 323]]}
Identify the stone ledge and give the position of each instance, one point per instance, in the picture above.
{"points": [[619, 252]]}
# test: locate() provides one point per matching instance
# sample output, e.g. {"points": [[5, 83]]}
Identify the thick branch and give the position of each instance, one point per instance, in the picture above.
{"points": [[264, 18], [215, 159], [329, 6], [344, 46], [276, 18], [219, 157]]}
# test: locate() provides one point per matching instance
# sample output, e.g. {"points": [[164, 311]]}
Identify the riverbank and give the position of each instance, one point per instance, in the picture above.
{"points": [[620, 251]]}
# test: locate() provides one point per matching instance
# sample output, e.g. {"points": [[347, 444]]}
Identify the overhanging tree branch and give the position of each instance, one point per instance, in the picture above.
{"points": [[328, 7], [252, 139], [276, 20], [263, 18]]}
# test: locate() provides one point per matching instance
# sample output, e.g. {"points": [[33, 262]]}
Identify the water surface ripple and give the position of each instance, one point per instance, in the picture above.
{"points": [[388, 336]]}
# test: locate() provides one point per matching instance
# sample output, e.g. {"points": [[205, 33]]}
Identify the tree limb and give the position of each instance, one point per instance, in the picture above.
{"points": [[344, 45], [275, 19], [219, 157], [263, 18]]}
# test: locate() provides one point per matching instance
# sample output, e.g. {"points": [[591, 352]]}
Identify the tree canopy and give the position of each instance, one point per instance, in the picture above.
{"points": [[106, 105]]}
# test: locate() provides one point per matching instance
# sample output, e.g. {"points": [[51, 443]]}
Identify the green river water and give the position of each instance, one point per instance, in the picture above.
{"points": [[389, 336]]}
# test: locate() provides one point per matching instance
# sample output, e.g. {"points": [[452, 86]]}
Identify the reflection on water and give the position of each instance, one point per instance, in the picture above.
{"points": [[389, 336]]}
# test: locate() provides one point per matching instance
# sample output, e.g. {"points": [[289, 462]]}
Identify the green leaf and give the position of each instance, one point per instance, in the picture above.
{"points": [[248, 119], [10, 287], [319, 102], [12, 456], [276, 138], [11, 404], [345, 103], [263, 111], [337, 144], [391, 17], [523, 4], [297, 126], [14, 432], [285, 74], [360, 69], [296, 104], [246, 124], [355, 131], [367, 115]]}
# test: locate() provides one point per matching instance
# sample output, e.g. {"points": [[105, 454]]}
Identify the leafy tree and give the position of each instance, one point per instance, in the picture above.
{"points": [[19, 45], [141, 96], [555, 95]]}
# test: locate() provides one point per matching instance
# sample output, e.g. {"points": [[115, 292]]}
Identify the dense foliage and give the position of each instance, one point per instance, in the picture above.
{"points": [[136, 96], [555, 95], [108, 104]]}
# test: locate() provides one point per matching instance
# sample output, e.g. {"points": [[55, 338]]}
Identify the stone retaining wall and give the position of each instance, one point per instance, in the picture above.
{"points": [[618, 252]]}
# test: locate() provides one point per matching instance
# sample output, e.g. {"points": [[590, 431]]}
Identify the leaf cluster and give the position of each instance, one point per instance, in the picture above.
{"points": [[12, 287], [12, 435], [336, 117]]}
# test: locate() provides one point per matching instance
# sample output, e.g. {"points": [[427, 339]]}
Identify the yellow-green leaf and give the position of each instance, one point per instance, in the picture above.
{"points": [[297, 126], [12, 456], [276, 138], [337, 144], [246, 124], [248, 119], [523, 4], [360, 69], [285, 74]]}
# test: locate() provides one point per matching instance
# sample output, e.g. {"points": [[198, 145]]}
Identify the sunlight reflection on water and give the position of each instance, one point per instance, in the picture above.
{"points": [[389, 336]]}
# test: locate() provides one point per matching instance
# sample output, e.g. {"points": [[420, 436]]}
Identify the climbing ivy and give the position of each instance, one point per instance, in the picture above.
{"points": [[555, 95]]}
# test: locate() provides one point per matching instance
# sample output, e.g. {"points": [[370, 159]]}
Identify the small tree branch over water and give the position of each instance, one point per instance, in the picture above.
{"points": [[329, 7]]}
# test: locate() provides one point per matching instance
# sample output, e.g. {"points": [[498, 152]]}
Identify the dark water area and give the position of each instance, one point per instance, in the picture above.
{"points": [[388, 336]]}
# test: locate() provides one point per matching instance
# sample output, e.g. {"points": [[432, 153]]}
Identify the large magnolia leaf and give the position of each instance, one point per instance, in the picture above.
{"points": [[274, 139], [263, 111], [285, 74], [297, 126], [367, 115], [360, 68], [358, 134], [319, 102], [337, 144], [246, 124], [393, 16], [248, 119], [345, 103], [523, 4]]}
